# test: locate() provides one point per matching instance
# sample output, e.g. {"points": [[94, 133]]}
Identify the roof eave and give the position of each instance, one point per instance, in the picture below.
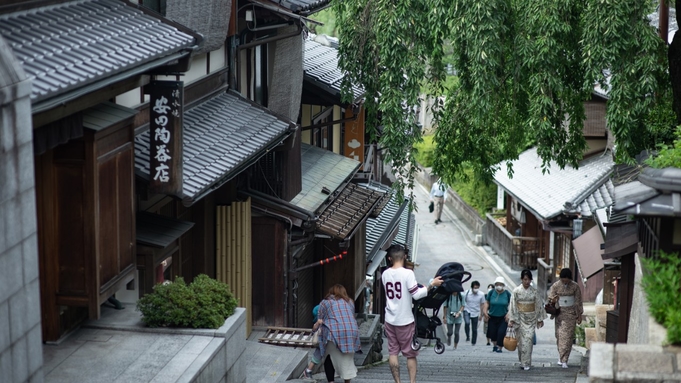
{"points": [[42, 105]]}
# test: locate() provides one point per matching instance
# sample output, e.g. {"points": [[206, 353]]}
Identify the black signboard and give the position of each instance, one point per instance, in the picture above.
{"points": [[165, 137]]}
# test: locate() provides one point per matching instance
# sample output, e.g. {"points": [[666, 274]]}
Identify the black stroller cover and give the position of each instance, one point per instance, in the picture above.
{"points": [[454, 276]]}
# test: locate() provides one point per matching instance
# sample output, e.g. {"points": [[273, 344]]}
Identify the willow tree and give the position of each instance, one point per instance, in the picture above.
{"points": [[525, 68]]}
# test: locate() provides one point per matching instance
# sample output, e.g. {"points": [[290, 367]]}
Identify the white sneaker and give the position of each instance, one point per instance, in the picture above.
{"points": [[565, 365], [559, 362], [526, 368]]}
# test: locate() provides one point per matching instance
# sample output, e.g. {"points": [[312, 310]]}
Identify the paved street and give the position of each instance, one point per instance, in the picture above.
{"points": [[452, 241]]}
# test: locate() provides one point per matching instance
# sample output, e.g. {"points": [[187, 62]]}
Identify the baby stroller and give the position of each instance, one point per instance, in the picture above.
{"points": [[453, 275]]}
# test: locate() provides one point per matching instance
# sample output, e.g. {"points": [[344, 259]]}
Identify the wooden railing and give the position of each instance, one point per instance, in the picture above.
{"points": [[517, 252], [544, 278]]}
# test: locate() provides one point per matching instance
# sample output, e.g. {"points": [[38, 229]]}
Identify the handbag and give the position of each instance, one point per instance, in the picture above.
{"points": [[551, 309], [510, 341], [315, 339], [431, 207]]}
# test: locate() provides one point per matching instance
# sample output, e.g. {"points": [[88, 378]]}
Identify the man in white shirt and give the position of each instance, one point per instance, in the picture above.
{"points": [[474, 300], [400, 288], [438, 195]]}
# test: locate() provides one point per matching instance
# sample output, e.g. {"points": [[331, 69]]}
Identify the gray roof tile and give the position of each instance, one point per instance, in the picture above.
{"points": [[320, 66], [603, 196], [65, 46], [304, 7], [385, 222], [548, 195], [321, 168], [219, 134]]}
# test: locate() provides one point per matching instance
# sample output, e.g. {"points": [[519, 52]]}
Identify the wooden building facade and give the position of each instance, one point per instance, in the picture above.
{"points": [[542, 222]]}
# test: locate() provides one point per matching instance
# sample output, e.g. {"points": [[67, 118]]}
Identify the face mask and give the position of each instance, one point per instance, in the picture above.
{"points": [[475, 291], [500, 288]]}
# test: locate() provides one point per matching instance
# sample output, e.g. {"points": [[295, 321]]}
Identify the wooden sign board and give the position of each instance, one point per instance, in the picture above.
{"points": [[165, 137], [354, 136]]}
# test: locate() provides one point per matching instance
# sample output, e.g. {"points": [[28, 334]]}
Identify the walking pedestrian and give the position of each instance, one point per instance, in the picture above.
{"points": [[474, 301], [317, 356], [568, 296], [438, 194], [400, 286], [526, 313], [339, 337], [453, 317], [496, 312], [485, 319]]}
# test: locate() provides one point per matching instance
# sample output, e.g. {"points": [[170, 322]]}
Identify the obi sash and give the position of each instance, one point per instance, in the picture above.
{"points": [[566, 300], [526, 307]]}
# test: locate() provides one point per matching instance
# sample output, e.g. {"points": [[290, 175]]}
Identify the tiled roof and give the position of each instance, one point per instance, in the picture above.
{"points": [[66, 46], [322, 169], [407, 232], [658, 193], [549, 195], [304, 7], [602, 197], [220, 137], [348, 210], [320, 66], [386, 221], [159, 231]]}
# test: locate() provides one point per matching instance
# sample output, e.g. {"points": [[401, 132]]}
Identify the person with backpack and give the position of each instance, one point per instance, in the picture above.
{"points": [[495, 311], [474, 301]]}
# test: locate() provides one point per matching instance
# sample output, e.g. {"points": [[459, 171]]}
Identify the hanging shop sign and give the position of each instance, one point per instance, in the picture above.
{"points": [[165, 137]]}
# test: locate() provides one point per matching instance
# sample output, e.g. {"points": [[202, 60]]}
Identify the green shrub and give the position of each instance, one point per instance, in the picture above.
{"points": [[479, 194], [580, 331], [204, 303], [425, 151], [661, 283]]}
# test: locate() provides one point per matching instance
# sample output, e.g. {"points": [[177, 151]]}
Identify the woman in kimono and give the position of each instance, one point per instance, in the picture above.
{"points": [[568, 296], [526, 313]]}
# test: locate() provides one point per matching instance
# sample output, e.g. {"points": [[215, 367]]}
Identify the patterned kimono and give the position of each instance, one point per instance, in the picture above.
{"points": [[570, 302], [526, 311]]}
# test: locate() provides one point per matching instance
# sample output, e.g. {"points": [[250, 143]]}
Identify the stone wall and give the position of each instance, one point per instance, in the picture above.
{"points": [[642, 327], [634, 363], [222, 361], [21, 357]]}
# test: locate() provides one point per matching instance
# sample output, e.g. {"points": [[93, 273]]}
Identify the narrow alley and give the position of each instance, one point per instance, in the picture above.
{"points": [[450, 241]]}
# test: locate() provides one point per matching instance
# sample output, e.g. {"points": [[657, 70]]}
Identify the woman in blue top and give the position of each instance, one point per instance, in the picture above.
{"points": [[453, 317], [496, 313]]}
